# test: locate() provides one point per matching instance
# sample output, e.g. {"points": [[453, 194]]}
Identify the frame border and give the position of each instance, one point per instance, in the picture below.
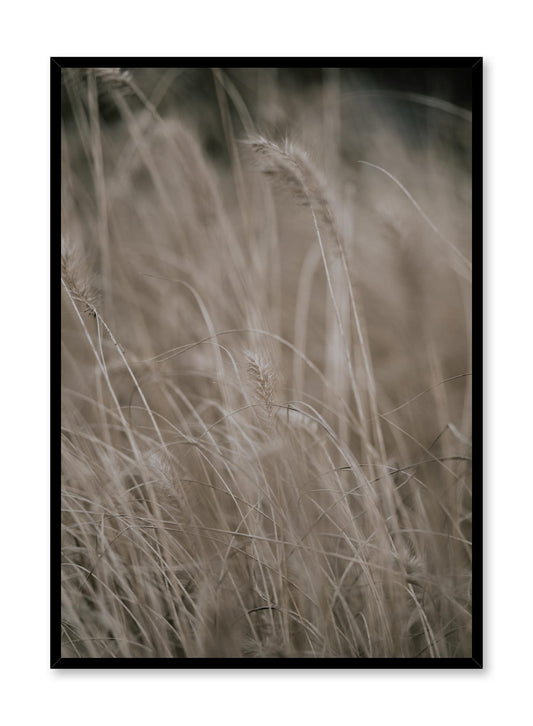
{"points": [[476, 66]]}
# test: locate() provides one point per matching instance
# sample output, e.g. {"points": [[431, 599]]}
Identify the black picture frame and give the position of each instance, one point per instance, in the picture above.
{"points": [[402, 69]]}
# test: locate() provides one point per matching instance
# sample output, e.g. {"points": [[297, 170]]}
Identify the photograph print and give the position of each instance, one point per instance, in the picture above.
{"points": [[268, 333]]}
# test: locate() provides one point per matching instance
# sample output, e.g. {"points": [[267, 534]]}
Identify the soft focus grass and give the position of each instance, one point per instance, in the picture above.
{"points": [[266, 357]]}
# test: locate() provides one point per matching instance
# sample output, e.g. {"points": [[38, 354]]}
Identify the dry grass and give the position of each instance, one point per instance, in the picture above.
{"points": [[266, 415]]}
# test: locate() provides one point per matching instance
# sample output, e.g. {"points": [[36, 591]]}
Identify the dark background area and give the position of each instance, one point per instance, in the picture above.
{"points": [[449, 84]]}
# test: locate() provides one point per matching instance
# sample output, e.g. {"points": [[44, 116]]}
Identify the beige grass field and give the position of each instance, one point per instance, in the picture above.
{"points": [[266, 366]]}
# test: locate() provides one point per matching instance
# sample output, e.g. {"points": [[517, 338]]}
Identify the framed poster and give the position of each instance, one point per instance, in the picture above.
{"points": [[270, 269]]}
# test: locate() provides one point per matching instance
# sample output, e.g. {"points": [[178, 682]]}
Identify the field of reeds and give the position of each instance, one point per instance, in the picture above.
{"points": [[266, 366]]}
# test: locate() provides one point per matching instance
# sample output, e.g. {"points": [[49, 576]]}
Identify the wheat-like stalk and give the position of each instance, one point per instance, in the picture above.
{"points": [[108, 79], [114, 76], [79, 288], [76, 276], [263, 379], [290, 167]]}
